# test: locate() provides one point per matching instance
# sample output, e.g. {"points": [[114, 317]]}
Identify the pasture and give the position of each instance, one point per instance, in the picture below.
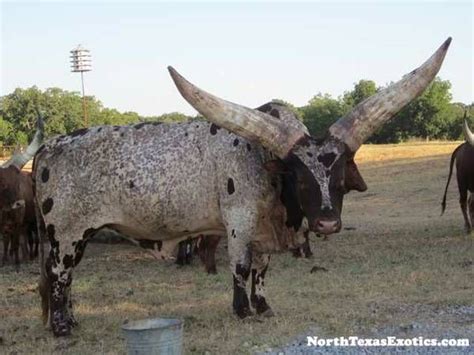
{"points": [[395, 261]]}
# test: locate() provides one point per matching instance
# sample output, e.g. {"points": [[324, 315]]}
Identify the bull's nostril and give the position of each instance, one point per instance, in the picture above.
{"points": [[327, 227]]}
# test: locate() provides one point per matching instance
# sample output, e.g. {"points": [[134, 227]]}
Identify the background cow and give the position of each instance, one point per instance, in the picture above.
{"points": [[17, 213], [178, 181], [464, 157]]}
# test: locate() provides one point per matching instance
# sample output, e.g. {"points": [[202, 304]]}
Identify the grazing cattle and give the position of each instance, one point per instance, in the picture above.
{"points": [[17, 213], [229, 177], [185, 252], [304, 250], [206, 247], [464, 157]]}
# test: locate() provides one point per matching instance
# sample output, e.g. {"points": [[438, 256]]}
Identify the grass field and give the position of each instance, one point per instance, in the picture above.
{"points": [[395, 258]]}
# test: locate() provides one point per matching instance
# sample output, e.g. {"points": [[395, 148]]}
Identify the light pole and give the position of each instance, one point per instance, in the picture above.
{"points": [[80, 63]]}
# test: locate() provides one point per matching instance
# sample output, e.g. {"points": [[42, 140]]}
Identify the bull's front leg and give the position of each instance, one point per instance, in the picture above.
{"points": [[6, 244], [240, 262], [257, 296]]}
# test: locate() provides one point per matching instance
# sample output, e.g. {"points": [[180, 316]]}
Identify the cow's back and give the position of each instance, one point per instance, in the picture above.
{"points": [[152, 180]]}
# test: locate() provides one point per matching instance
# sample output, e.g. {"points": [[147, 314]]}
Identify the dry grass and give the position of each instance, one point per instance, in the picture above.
{"points": [[400, 253]]}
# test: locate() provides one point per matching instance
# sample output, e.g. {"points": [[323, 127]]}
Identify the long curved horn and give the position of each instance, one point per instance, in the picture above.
{"points": [[19, 160], [274, 134], [467, 132], [372, 113]]}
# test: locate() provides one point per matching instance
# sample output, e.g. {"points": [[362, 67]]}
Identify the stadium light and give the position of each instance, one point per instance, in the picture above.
{"points": [[81, 62]]}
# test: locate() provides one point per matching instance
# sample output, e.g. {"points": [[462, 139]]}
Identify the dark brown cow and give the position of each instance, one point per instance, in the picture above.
{"points": [[17, 213], [205, 246], [464, 157]]}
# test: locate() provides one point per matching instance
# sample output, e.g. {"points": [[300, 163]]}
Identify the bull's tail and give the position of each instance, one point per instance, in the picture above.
{"points": [[45, 281], [44, 285], [453, 158]]}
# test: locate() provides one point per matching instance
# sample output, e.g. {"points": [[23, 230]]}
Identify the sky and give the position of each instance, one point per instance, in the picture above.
{"points": [[246, 52]]}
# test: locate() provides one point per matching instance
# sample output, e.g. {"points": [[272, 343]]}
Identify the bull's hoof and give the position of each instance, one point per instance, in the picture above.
{"points": [[243, 312], [267, 313], [261, 307], [72, 322], [296, 253], [61, 330], [212, 271]]}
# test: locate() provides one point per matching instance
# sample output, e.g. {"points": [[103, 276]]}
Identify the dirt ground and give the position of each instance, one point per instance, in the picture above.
{"points": [[396, 264]]}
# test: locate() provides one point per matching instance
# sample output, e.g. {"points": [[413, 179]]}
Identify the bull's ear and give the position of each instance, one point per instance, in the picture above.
{"points": [[276, 167], [353, 178], [18, 204]]}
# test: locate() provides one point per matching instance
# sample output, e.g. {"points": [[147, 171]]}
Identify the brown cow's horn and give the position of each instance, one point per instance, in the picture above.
{"points": [[274, 134], [372, 113], [467, 132], [19, 160]]}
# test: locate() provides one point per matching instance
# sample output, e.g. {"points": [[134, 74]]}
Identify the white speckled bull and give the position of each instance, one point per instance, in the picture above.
{"points": [[255, 181]]}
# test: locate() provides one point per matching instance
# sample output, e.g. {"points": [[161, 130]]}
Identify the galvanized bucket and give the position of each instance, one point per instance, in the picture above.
{"points": [[154, 336]]}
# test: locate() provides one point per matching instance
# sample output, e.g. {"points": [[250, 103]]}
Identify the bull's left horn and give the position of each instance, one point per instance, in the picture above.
{"points": [[467, 132], [372, 113], [274, 134], [19, 160]]}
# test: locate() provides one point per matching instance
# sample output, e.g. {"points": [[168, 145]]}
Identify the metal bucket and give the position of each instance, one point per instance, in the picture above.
{"points": [[154, 336]]}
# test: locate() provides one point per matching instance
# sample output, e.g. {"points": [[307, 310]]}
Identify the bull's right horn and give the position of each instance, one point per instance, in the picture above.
{"points": [[368, 116], [274, 134], [467, 132], [19, 160]]}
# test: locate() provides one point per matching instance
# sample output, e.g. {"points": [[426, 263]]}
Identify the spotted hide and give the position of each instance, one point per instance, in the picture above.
{"points": [[171, 182]]}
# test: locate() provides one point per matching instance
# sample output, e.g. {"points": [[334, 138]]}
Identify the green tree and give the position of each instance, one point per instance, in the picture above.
{"points": [[171, 117], [362, 90], [321, 112]]}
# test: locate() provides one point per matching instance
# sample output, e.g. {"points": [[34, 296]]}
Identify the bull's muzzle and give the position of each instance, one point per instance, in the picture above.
{"points": [[327, 226]]}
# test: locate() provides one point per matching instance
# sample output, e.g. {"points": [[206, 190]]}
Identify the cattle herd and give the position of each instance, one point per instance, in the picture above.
{"points": [[255, 176]]}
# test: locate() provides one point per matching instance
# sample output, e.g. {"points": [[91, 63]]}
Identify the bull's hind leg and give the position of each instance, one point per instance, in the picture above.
{"points": [[64, 256], [257, 296], [463, 203], [471, 207]]}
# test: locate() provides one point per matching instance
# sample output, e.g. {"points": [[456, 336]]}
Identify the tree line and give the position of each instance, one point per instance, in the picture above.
{"points": [[433, 115]]}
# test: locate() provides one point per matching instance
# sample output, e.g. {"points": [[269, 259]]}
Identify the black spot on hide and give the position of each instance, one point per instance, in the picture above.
{"points": [[45, 175], [47, 205], [275, 113], [230, 186], [68, 261], [327, 159], [214, 129], [236, 142], [50, 232]]}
